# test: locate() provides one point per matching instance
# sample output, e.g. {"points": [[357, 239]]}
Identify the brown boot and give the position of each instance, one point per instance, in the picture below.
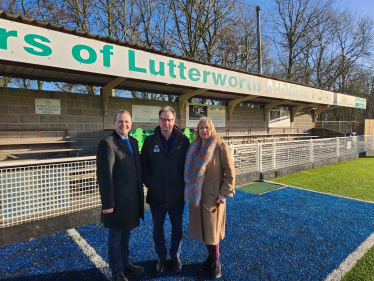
{"points": [[216, 269], [206, 265]]}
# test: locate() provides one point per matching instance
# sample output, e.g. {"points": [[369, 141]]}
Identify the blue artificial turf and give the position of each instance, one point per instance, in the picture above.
{"points": [[286, 234], [52, 257]]}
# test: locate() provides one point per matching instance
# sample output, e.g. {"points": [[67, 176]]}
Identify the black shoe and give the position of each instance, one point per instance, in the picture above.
{"points": [[133, 269], [216, 269], [120, 277], [205, 265], [160, 267], [177, 265]]}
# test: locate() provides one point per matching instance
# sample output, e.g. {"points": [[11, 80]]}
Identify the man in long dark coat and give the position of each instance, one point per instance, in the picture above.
{"points": [[119, 175]]}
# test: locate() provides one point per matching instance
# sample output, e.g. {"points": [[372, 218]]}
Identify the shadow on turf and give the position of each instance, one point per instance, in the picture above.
{"points": [[188, 270], [88, 274]]}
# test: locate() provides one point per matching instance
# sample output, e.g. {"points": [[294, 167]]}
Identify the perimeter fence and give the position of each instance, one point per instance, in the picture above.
{"points": [[342, 126], [57, 187], [36, 192], [261, 157]]}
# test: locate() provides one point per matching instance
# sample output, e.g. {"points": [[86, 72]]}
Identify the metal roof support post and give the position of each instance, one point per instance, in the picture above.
{"points": [[298, 108], [107, 91], [259, 54], [319, 110], [232, 152], [357, 144], [258, 156], [183, 99], [269, 106], [274, 155], [233, 103]]}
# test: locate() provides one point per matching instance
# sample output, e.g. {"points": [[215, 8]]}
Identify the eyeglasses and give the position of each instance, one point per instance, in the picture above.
{"points": [[163, 120], [214, 210]]}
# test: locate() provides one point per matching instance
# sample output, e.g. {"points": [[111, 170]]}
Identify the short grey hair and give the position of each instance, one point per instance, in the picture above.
{"points": [[167, 109], [121, 111]]}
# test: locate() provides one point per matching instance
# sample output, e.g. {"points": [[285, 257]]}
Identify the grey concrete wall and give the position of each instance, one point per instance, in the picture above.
{"points": [[26, 231], [82, 116], [251, 121], [116, 103], [304, 120]]}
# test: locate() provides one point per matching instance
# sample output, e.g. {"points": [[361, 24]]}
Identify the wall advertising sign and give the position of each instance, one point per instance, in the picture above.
{"points": [[349, 145], [279, 118], [215, 112], [196, 111], [360, 103], [41, 46], [145, 114], [47, 106]]}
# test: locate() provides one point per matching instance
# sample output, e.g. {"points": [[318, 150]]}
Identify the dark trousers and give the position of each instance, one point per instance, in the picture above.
{"points": [[118, 250], [158, 218]]}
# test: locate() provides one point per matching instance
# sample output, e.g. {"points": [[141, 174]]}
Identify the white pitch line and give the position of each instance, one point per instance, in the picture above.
{"points": [[351, 260], [91, 253], [273, 190], [286, 185]]}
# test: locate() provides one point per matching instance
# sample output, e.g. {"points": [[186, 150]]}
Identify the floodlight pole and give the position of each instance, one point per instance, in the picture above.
{"points": [[259, 40]]}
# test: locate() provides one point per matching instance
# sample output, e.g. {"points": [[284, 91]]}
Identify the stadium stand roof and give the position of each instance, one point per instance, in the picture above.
{"points": [[196, 78]]}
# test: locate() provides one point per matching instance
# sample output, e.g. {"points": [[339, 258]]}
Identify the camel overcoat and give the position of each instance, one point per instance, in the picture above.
{"points": [[219, 178]]}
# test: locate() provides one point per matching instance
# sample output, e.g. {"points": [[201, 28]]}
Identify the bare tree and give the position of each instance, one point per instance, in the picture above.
{"points": [[198, 25], [295, 25]]}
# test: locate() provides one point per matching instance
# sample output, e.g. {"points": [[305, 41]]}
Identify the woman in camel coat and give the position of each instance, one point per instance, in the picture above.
{"points": [[209, 177]]}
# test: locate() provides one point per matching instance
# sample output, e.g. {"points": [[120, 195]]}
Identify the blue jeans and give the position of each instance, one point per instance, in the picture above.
{"points": [[158, 218], [118, 250]]}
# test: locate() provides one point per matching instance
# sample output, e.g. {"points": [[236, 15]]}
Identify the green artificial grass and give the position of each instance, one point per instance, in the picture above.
{"points": [[363, 270], [354, 179], [259, 187]]}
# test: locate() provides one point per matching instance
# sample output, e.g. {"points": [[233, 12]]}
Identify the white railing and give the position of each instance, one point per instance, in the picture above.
{"points": [[32, 190], [49, 189], [268, 156]]}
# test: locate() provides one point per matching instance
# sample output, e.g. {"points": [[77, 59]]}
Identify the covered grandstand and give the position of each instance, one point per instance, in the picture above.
{"points": [[40, 196]]}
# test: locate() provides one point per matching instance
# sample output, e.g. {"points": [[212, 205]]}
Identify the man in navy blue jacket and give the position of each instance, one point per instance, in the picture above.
{"points": [[163, 155]]}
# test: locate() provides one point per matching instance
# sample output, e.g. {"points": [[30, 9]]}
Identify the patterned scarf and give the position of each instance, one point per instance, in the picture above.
{"points": [[198, 156]]}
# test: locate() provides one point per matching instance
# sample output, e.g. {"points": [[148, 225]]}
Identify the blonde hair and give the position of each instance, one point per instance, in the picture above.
{"points": [[207, 121]]}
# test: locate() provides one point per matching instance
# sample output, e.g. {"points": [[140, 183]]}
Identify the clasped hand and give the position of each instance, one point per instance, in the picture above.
{"points": [[221, 199], [108, 211]]}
